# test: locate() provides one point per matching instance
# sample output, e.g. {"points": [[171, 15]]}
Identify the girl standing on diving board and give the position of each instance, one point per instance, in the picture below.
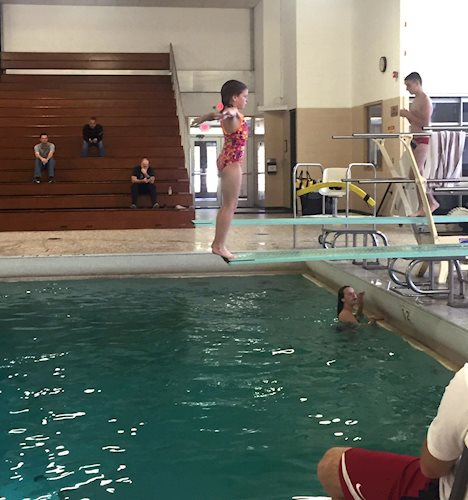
{"points": [[234, 96]]}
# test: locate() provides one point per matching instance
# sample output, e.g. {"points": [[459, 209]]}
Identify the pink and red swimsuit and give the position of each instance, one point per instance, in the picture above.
{"points": [[234, 145]]}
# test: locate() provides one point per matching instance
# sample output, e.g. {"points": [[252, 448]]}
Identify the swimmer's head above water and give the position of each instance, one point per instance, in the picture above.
{"points": [[346, 295]]}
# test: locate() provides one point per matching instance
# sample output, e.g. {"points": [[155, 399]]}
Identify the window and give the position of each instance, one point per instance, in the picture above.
{"points": [[446, 111], [465, 112], [452, 111]]}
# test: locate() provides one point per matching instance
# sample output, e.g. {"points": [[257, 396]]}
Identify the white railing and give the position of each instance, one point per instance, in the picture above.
{"points": [[183, 126]]}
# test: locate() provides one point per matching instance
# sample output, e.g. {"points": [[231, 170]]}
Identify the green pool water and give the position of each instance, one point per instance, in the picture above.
{"points": [[173, 389]]}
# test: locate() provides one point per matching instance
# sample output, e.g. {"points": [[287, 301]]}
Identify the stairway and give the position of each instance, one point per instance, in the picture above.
{"points": [[138, 114]]}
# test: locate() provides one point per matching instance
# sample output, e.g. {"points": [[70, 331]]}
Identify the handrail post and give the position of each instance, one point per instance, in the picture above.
{"points": [[294, 197]]}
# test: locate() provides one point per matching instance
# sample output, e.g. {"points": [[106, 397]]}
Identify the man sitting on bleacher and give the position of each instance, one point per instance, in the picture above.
{"points": [[44, 152], [143, 182], [93, 134]]}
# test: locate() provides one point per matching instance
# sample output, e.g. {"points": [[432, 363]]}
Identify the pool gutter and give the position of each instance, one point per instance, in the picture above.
{"points": [[433, 331], [114, 265]]}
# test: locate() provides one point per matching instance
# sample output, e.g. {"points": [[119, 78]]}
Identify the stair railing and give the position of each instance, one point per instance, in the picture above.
{"points": [[183, 126]]}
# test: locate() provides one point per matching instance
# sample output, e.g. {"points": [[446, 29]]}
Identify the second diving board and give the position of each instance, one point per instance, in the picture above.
{"points": [[438, 252]]}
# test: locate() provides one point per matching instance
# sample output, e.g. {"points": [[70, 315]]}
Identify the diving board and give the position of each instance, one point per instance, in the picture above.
{"points": [[438, 252], [334, 221]]}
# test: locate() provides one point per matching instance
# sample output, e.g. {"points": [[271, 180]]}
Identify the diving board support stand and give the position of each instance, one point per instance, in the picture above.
{"points": [[400, 192], [379, 141], [405, 139], [421, 185], [420, 182], [429, 287]]}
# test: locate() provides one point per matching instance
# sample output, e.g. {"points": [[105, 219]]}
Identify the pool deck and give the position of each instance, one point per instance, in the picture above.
{"points": [[59, 254], [198, 240], [45, 254]]}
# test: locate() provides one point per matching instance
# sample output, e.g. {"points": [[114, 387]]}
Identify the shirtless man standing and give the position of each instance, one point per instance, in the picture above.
{"points": [[419, 116]]}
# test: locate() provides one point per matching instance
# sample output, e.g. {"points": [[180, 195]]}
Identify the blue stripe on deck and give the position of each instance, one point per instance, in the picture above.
{"points": [[350, 253], [333, 221]]}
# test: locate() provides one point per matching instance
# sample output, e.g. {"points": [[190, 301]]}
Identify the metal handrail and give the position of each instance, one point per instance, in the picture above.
{"points": [[294, 172], [403, 180], [294, 197], [431, 286], [462, 128], [183, 127], [391, 135]]}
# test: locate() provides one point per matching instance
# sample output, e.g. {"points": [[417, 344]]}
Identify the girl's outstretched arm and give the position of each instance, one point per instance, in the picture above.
{"points": [[206, 118], [231, 119]]}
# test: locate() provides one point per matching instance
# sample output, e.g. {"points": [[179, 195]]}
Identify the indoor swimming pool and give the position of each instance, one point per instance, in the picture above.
{"points": [[200, 388]]}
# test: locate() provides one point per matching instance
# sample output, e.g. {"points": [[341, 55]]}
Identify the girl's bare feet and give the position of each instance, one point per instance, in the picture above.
{"points": [[434, 206], [421, 213], [222, 252]]}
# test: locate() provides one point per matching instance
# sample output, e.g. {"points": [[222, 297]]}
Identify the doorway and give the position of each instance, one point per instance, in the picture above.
{"points": [[204, 171]]}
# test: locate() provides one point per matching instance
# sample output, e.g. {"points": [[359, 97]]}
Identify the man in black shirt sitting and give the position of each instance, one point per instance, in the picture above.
{"points": [[93, 134], [143, 182]]}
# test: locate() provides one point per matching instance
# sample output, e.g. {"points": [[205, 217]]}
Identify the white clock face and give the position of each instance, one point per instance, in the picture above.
{"points": [[383, 64]]}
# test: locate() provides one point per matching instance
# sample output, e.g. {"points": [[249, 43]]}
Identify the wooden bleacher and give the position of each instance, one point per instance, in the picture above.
{"points": [[138, 113]]}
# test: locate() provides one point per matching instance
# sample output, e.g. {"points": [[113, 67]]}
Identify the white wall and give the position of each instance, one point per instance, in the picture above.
{"points": [[203, 39], [376, 33], [434, 40], [289, 60], [275, 54], [271, 33], [196, 103], [258, 51], [324, 53]]}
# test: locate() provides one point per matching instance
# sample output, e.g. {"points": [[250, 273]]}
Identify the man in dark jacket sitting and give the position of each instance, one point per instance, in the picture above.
{"points": [[93, 134]]}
